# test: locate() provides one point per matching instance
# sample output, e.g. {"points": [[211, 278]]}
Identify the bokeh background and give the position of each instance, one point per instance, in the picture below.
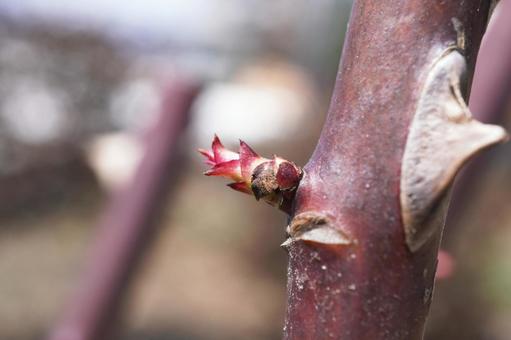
{"points": [[80, 84]]}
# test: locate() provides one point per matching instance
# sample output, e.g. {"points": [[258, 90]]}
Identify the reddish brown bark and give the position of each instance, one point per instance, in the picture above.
{"points": [[373, 287]]}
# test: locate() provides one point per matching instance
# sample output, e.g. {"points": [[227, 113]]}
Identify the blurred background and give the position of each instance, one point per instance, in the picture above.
{"points": [[81, 83]]}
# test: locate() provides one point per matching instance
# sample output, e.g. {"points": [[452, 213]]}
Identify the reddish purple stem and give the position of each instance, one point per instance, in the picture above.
{"points": [[489, 101], [491, 87], [126, 224]]}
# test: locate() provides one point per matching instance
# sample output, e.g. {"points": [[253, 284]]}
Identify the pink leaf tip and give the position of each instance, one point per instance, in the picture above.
{"points": [[273, 180]]}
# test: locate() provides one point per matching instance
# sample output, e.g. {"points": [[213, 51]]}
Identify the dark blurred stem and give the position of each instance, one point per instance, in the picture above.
{"points": [[126, 225], [491, 88], [489, 100]]}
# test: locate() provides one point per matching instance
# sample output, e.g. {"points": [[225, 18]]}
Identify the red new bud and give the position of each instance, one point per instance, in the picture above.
{"points": [[272, 180]]}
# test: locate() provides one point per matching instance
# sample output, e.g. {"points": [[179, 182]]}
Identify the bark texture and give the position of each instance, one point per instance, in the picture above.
{"points": [[362, 277]]}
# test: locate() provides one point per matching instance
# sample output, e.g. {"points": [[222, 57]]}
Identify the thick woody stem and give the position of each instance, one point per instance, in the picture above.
{"points": [[370, 209]]}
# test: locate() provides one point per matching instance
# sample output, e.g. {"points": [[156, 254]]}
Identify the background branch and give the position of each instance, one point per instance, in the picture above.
{"points": [[127, 225]]}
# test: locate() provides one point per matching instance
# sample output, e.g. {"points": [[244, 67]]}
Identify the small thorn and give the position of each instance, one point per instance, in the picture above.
{"points": [[287, 242]]}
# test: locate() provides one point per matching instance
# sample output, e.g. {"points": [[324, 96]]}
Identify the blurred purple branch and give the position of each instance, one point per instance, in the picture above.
{"points": [[491, 87], [489, 98], [127, 224]]}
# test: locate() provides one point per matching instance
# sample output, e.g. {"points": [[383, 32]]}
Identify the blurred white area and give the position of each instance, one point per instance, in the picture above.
{"points": [[34, 112], [254, 113], [262, 102], [200, 21], [114, 158], [204, 21]]}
